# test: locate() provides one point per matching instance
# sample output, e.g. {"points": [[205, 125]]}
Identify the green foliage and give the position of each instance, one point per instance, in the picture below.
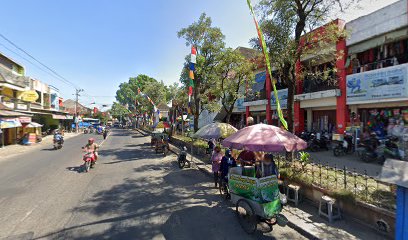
{"points": [[233, 72], [118, 110]]}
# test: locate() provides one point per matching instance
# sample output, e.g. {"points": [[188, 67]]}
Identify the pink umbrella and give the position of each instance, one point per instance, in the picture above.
{"points": [[264, 138]]}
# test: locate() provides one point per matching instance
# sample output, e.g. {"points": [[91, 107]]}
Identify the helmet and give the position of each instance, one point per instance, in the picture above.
{"points": [[91, 140], [373, 134], [227, 152]]}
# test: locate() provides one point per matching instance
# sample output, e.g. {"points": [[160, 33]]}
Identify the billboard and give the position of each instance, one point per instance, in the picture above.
{"points": [[385, 83]]}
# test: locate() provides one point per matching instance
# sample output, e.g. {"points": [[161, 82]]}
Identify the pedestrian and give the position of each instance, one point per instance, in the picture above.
{"points": [[216, 161], [226, 163]]}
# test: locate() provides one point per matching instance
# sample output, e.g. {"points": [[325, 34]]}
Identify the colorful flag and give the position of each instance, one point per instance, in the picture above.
{"points": [[191, 75], [268, 66], [193, 58], [192, 67]]}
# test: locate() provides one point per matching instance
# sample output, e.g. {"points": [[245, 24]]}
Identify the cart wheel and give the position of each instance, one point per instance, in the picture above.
{"points": [[246, 216]]}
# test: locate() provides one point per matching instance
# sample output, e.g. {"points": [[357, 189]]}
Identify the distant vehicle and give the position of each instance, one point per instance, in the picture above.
{"points": [[91, 121], [116, 125]]}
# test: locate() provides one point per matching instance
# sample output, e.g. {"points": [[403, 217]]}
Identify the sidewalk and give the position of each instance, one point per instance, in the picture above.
{"points": [[17, 149], [305, 219]]}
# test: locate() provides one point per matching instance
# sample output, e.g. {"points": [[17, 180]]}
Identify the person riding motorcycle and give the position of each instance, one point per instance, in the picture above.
{"points": [[58, 137], [92, 146]]}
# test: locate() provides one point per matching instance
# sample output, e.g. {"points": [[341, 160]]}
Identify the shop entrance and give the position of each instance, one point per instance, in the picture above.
{"points": [[324, 120]]}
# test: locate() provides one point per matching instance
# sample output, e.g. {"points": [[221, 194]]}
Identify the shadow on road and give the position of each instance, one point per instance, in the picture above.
{"points": [[78, 169]]}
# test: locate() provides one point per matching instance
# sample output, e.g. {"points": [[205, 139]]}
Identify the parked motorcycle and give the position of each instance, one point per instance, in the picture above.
{"points": [[86, 131], [344, 147], [58, 143], [89, 160], [305, 135], [391, 148], [315, 144], [182, 158]]}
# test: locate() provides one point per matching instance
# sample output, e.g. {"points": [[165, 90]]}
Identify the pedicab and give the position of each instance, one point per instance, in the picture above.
{"points": [[155, 136], [259, 199], [162, 144]]}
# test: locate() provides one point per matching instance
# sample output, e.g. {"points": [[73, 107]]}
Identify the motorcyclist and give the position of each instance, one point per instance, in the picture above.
{"points": [[58, 138], [373, 141], [105, 133], [92, 146]]}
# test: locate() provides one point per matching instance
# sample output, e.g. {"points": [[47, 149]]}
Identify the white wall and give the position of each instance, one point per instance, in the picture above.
{"points": [[387, 19]]}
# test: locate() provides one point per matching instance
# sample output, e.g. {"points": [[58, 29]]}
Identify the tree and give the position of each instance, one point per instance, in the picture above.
{"points": [[118, 110], [234, 71], [209, 42], [283, 23], [128, 93]]}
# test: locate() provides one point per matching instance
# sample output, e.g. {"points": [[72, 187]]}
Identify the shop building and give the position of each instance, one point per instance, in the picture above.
{"points": [[377, 69], [320, 103]]}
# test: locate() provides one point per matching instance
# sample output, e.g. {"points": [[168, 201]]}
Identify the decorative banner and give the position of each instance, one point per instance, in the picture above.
{"points": [[268, 66], [191, 75], [192, 67], [148, 98]]}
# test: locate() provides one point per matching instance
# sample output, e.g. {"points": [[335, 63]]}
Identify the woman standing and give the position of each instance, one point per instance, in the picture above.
{"points": [[216, 160]]}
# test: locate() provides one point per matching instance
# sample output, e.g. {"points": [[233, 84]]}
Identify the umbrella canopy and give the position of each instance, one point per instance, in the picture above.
{"points": [[264, 138], [162, 124], [215, 130]]}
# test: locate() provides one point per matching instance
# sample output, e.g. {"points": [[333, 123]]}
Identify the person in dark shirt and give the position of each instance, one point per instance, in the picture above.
{"points": [[226, 163], [267, 167], [246, 158]]}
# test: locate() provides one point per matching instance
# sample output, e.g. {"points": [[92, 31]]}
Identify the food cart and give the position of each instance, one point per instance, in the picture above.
{"points": [[259, 199]]}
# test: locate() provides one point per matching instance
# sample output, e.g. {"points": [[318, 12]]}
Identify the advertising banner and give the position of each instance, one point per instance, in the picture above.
{"points": [[262, 190], [378, 84], [283, 98]]}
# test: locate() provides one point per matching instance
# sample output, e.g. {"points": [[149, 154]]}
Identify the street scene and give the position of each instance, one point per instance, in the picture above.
{"points": [[250, 119]]}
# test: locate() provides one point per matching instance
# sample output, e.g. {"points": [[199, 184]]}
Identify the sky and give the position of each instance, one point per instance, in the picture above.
{"points": [[98, 44]]}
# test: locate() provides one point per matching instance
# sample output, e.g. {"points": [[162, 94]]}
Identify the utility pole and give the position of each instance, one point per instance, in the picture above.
{"points": [[77, 91]]}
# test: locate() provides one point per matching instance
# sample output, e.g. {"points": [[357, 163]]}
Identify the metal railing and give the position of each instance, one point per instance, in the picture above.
{"points": [[341, 181]]}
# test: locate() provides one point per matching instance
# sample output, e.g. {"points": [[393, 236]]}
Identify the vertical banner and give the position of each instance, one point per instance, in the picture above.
{"points": [[268, 65], [193, 60]]}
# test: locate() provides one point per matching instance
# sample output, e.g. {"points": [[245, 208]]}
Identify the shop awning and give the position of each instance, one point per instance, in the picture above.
{"points": [[9, 123], [7, 113], [59, 117], [33, 125]]}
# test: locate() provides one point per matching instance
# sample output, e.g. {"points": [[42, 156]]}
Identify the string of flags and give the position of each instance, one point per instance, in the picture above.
{"points": [[268, 65], [150, 100]]}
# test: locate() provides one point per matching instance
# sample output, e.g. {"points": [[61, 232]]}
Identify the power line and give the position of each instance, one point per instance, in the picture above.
{"points": [[38, 61]]}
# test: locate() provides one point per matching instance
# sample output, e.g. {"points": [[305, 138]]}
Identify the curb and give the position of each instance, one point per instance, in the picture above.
{"points": [[297, 228]]}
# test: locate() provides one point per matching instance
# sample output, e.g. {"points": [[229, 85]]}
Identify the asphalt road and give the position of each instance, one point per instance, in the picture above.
{"points": [[131, 194]]}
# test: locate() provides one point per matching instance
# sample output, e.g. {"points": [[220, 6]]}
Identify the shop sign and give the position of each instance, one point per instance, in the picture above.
{"points": [[29, 96], [24, 119], [378, 84], [283, 98], [239, 104], [9, 104], [21, 106]]}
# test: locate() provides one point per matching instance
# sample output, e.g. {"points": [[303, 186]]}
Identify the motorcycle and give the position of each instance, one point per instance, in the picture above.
{"points": [[344, 147], [305, 135], [391, 148], [58, 143], [89, 160], [371, 154], [86, 131], [182, 158], [315, 144]]}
